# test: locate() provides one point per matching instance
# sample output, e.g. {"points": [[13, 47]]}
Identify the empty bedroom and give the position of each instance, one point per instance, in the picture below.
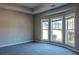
{"points": [[39, 29]]}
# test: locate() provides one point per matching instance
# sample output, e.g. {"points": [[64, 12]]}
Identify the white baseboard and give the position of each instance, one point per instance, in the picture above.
{"points": [[5, 45]]}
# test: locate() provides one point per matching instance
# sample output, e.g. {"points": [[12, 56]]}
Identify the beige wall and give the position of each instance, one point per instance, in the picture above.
{"points": [[15, 27], [37, 27]]}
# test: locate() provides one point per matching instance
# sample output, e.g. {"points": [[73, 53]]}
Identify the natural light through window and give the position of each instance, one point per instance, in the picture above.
{"points": [[60, 29], [45, 30], [56, 29], [70, 33]]}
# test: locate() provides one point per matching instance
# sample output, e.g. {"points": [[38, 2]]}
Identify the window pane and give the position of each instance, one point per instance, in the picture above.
{"points": [[70, 23], [57, 35], [45, 25], [70, 33], [70, 37], [44, 30], [57, 25], [45, 34], [56, 31]]}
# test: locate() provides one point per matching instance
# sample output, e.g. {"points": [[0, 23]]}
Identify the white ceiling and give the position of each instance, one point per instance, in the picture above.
{"points": [[32, 8]]}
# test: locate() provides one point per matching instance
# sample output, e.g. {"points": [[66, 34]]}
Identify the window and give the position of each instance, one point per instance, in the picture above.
{"points": [[70, 30], [44, 29], [56, 29], [60, 29]]}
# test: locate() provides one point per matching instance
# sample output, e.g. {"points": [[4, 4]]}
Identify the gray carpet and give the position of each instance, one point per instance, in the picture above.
{"points": [[35, 49]]}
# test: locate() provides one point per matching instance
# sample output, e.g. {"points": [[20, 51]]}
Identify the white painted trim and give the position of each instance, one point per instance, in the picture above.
{"points": [[5, 45]]}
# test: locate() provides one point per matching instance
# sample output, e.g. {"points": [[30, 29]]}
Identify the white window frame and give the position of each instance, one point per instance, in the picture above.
{"points": [[63, 26], [44, 20]]}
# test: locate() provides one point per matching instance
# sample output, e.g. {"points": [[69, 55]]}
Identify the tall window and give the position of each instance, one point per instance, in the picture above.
{"points": [[59, 29], [44, 29], [56, 29], [70, 30]]}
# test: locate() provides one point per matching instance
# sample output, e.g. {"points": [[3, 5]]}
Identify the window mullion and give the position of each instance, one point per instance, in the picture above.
{"points": [[49, 30], [63, 29]]}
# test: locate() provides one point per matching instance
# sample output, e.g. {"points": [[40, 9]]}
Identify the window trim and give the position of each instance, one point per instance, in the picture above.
{"points": [[73, 16], [57, 29], [63, 26], [47, 20]]}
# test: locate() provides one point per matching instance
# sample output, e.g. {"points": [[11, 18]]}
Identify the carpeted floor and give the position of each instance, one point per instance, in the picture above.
{"points": [[35, 49]]}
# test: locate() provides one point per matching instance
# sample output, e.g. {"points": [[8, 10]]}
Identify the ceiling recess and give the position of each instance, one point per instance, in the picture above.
{"points": [[53, 5], [31, 8]]}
